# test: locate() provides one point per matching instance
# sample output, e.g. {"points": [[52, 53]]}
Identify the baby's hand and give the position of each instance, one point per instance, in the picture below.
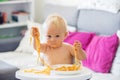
{"points": [[35, 32], [77, 46]]}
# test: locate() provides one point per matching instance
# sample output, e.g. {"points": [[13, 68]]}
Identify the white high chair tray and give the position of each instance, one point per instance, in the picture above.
{"points": [[83, 75]]}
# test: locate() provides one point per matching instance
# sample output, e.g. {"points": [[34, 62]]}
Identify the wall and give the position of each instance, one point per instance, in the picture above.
{"points": [[39, 5], [38, 10]]}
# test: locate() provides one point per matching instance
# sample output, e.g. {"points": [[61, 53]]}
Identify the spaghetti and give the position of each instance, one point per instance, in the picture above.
{"points": [[76, 51], [36, 71], [36, 35]]}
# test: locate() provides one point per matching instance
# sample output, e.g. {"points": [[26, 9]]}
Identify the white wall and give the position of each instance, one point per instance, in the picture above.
{"points": [[63, 2], [38, 10], [39, 5]]}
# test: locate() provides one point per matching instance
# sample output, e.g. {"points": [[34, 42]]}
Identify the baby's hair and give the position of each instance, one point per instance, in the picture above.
{"points": [[57, 20]]}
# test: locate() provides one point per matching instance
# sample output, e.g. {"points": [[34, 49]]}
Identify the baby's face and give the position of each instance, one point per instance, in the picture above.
{"points": [[55, 36]]}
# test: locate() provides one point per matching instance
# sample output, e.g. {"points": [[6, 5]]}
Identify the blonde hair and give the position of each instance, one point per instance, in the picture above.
{"points": [[57, 20]]}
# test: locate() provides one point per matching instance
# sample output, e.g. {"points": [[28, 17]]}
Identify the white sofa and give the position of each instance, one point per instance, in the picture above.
{"points": [[101, 22]]}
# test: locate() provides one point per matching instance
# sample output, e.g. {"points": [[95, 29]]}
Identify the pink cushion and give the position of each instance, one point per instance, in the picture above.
{"points": [[83, 37], [100, 53]]}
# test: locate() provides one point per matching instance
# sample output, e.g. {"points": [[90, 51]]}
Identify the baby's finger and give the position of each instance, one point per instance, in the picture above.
{"points": [[76, 41], [79, 45], [75, 44]]}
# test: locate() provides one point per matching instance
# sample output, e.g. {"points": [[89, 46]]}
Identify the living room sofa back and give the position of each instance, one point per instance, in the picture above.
{"points": [[91, 20]]}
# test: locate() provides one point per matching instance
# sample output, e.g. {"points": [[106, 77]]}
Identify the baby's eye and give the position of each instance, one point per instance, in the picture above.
{"points": [[49, 36], [57, 35]]}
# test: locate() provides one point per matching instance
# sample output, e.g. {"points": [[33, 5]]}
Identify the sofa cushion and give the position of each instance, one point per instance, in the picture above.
{"points": [[25, 45], [101, 52], [116, 63], [98, 21], [83, 37], [7, 71], [105, 76]]}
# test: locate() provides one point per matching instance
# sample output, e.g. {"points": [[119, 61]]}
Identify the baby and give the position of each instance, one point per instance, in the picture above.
{"points": [[55, 51]]}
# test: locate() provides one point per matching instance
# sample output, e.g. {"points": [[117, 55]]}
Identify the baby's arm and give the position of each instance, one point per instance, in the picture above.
{"points": [[80, 53], [37, 45], [43, 46], [36, 40]]}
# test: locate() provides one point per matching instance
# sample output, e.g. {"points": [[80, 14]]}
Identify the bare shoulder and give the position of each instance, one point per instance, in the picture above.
{"points": [[67, 45], [70, 48]]}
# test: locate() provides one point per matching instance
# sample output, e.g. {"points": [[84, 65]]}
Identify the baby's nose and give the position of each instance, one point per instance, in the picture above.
{"points": [[52, 39]]}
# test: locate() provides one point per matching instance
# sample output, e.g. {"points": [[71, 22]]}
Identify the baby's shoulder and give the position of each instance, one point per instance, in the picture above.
{"points": [[67, 45]]}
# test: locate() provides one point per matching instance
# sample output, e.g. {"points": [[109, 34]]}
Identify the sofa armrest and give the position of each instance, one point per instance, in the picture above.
{"points": [[7, 71]]}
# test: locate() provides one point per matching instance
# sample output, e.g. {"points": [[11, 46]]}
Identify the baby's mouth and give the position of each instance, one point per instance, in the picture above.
{"points": [[52, 44]]}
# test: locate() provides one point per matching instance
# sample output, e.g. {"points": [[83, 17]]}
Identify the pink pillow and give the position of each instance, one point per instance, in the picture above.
{"points": [[83, 37], [101, 52]]}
